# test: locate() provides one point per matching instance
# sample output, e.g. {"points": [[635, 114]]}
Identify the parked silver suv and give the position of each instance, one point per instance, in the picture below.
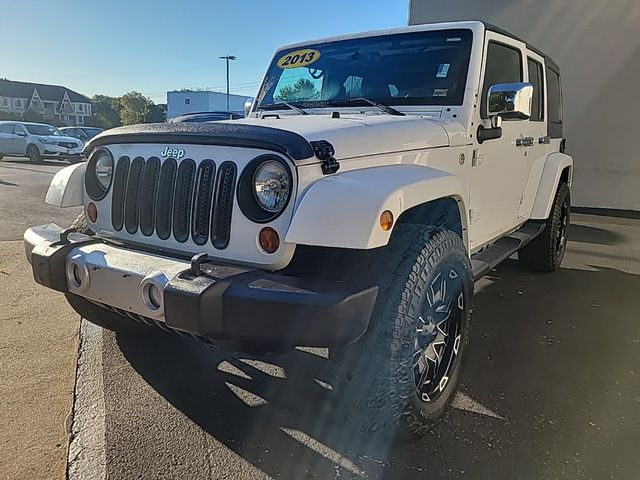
{"points": [[38, 141]]}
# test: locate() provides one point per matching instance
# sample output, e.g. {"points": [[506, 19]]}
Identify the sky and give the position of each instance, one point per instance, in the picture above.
{"points": [[111, 47]]}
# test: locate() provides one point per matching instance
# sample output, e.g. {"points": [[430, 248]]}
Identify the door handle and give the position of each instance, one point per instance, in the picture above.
{"points": [[544, 140], [525, 142]]}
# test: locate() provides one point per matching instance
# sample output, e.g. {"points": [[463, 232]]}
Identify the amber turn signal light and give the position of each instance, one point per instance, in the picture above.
{"points": [[386, 220], [269, 240], [92, 212]]}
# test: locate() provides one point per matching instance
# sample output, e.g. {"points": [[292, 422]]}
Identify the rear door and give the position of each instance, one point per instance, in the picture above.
{"points": [[7, 139], [534, 161]]}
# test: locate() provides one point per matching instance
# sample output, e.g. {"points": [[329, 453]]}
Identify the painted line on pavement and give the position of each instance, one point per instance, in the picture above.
{"points": [[87, 451]]}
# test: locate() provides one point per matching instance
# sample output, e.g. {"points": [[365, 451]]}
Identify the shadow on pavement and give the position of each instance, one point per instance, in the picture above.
{"points": [[599, 236], [556, 355]]}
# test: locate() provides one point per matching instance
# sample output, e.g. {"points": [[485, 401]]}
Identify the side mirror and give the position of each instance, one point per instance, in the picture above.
{"points": [[21, 134], [510, 101]]}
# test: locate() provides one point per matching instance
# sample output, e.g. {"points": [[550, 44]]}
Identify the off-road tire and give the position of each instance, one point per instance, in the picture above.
{"points": [[80, 224], [546, 251], [375, 380], [100, 316], [34, 154]]}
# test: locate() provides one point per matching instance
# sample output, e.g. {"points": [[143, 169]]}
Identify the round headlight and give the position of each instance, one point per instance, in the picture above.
{"points": [[104, 169], [271, 186]]}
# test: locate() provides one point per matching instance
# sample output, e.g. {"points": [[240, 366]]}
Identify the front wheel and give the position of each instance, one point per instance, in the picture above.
{"points": [[34, 154], [404, 372], [546, 251]]}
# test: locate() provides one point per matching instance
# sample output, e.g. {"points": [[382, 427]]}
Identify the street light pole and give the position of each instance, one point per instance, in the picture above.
{"points": [[227, 58]]}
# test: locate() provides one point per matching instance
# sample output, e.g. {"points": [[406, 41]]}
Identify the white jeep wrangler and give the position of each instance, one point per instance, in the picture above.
{"points": [[377, 176]]}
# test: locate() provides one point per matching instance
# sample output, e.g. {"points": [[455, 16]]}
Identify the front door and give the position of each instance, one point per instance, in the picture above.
{"points": [[500, 167], [20, 139]]}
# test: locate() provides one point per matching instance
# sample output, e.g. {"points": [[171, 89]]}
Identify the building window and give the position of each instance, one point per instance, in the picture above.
{"points": [[17, 103], [4, 102], [80, 107], [187, 101]]}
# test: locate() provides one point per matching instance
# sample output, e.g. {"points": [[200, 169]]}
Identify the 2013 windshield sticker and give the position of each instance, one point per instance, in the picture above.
{"points": [[299, 58]]}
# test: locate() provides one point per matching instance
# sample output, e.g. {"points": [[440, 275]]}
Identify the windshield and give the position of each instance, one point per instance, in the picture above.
{"points": [[92, 132], [421, 68], [42, 130]]}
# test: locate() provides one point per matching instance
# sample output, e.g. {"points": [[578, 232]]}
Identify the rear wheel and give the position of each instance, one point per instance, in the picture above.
{"points": [[402, 375], [34, 154], [546, 251]]}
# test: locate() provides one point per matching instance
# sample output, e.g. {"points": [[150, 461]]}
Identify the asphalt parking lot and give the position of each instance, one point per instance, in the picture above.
{"points": [[551, 387]]}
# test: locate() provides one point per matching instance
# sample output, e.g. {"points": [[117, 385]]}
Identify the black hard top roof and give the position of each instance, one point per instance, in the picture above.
{"points": [[548, 60]]}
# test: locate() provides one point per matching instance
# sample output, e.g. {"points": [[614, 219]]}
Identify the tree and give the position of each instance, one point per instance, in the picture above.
{"points": [[105, 112], [134, 108], [157, 113], [303, 89]]}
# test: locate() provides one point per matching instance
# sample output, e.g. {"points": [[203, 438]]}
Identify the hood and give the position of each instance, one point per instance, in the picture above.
{"points": [[60, 138], [351, 135], [361, 135]]}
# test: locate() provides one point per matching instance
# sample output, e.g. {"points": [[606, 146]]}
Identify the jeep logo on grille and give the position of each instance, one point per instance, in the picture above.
{"points": [[176, 153]]}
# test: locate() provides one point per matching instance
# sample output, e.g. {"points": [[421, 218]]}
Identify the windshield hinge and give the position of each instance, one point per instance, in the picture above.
{"points": [[325, 151]]}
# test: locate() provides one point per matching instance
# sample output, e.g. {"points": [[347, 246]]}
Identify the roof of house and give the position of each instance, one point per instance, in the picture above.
{"points": [[10, 88]]}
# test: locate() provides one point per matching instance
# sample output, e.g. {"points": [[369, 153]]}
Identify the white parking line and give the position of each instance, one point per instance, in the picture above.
{"points": [[87, 451], [462, 401]]}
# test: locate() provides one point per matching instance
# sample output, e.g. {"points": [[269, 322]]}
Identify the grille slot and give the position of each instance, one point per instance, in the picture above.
{"points": [[203, 199], [148, 196], [191, 201], [119, 189], [221, 219], [165, 198], [183, 200], [132, 197]]}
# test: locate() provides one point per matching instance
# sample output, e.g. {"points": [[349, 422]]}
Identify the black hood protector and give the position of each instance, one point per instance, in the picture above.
{"points": [[214, 133]]}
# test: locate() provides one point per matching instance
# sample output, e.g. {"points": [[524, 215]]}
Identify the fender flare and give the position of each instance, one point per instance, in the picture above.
{"points": [[553, 167], [343, 210], [67, 187]]}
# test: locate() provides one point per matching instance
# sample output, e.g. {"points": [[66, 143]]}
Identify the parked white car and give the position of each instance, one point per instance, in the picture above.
{"points": [[38, 141], [377, 177]]}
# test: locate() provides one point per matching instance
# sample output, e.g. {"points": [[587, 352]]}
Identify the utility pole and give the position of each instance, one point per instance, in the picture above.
{"points": [[227, 58]]}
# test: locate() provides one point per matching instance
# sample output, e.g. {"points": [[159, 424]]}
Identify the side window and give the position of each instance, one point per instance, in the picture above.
{"points": [[19, 129], [504, 65], [554, 93], [7, 128], [536, 79]]}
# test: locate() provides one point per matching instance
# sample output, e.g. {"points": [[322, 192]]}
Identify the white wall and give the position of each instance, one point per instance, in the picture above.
{"points": [[597, 45], [198, 102], [202, 102]]}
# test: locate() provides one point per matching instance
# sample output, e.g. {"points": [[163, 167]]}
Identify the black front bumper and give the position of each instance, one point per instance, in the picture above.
{"points": [[224, 302]]}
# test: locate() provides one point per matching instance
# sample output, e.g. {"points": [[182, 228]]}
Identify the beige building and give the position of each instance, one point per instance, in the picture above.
{"points": [[54, 103], [597, 45]]}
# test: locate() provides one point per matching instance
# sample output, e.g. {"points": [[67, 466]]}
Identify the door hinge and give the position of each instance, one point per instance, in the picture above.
{"points": [[325, 151]]}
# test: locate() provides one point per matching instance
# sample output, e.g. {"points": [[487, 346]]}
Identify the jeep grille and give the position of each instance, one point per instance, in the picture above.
{"points": [[165, 198]]}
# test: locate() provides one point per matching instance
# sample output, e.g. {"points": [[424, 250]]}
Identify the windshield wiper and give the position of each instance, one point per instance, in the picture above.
{"points": [[288, 105], [381, 106]]}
